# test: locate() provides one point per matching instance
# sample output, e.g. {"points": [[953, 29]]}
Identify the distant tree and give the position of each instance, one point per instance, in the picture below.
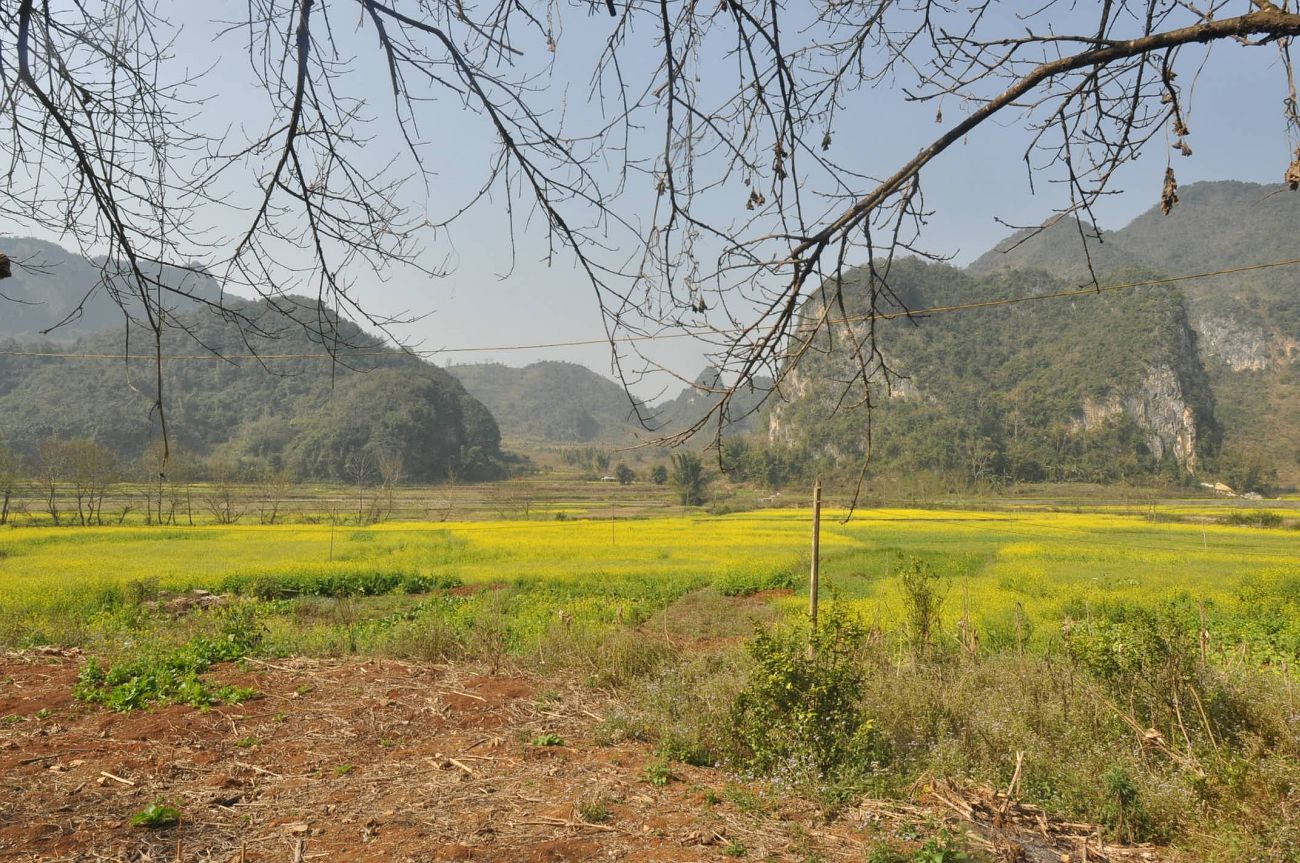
{"points": [[8, 481], [151, 474], [50, 466], [689, 478], [273, 488], [659, 474], [1247, 472], [359, 468], [593, 461], [224, 499], [624, 474], [391, 474], [90, 468]]}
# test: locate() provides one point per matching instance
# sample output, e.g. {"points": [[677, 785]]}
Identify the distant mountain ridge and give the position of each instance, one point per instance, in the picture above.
{"points": [[554, 402], [60, 296], [567, 403]]}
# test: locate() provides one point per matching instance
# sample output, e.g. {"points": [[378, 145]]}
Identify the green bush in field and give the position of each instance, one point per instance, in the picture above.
{"points": [[798, 717], [1256, 518], [1149, 663], [922, 601]]}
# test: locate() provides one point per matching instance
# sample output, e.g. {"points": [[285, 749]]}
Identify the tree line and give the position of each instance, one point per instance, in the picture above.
{"points": [[74, 481]]}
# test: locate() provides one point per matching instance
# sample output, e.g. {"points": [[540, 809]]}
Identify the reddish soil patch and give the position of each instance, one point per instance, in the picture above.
{"points": [[471, 589], [770, 593], [371, 761]]}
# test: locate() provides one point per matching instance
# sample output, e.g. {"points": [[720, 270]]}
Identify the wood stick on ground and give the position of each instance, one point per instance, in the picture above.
{"points": [[1011, 786]]}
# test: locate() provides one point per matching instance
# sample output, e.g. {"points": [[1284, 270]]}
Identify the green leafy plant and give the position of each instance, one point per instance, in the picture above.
{"points": [[156, 816], [343, 769], [548, 739], [885, 854], [172, 677], [940, 849], [658, 772], [1123, 808], [735, 849]]}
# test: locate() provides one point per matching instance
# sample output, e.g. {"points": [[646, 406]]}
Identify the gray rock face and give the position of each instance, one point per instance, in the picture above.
{"points": [[1244, 347], [1159, 406]]}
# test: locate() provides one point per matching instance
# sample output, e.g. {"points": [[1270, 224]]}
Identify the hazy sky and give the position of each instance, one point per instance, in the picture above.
{"points": [[1236, 133]]}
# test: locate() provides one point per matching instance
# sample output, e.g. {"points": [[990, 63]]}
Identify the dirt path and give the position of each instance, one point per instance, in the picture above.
{"points": [[375, 761]]}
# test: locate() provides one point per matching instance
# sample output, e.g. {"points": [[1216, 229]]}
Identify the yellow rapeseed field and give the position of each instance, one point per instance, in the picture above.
{"points": [[1007, 571]]}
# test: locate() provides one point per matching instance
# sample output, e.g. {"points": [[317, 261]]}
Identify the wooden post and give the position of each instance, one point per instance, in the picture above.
{"points": [[815, 574]]}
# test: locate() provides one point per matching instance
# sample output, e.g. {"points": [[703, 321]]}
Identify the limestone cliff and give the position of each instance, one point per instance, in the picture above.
{"points": [[1159, 408]]}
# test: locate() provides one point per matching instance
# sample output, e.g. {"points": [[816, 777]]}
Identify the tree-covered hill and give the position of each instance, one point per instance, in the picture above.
{"points": [[1246, 323], [552, 402], [1099, 388], [315, 417]]}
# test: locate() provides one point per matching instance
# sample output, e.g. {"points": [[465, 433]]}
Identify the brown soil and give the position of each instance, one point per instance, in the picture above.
{"points": [[375, 761]]}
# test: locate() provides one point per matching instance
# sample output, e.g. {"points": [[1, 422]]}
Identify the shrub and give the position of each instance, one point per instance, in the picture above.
{"points": [[593, 810], [798, 717], [922, 601], [1149, 663], [1256, 518]]}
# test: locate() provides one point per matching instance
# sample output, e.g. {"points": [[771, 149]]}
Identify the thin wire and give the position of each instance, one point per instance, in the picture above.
{"points": [[850, 319]]}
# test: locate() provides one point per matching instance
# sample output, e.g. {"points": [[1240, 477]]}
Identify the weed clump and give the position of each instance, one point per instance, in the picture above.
{"points": [[746, 581], [922, 602]]}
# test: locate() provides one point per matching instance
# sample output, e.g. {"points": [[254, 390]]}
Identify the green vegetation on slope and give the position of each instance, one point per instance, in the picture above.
{"points": [[1094, 389], [314, 417], [1247, 323]]}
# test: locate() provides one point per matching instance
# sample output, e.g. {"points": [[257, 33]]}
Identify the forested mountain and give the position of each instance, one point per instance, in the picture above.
{"points": [[53, 289], [552, 402], [317, 418], [1099, 388], [1197, 378], [1247, 323]]}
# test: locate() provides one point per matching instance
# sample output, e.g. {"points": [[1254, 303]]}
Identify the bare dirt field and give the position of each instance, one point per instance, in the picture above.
{"points": [[387, 761]]}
